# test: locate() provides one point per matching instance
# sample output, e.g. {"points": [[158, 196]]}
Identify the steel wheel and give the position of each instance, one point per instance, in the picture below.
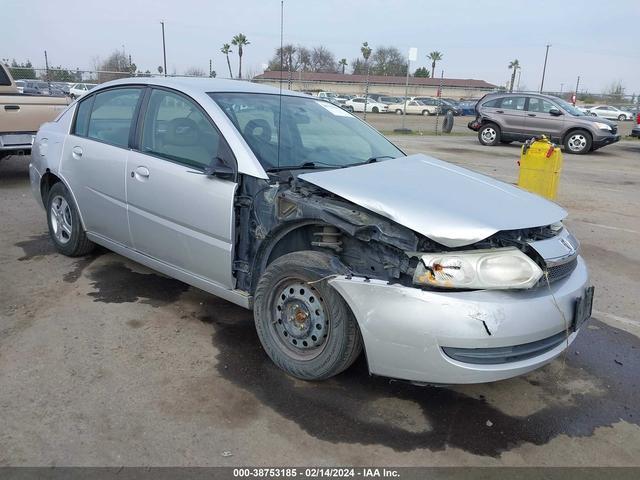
{"points": [[61, 219], [577, 142], [300, 320], [489, 135]]}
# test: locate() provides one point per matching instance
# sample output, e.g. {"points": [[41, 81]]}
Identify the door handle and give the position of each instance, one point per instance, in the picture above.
{"points": [[531, 114], [11, 107], [499, 111], [76, 152], [140, 173]]}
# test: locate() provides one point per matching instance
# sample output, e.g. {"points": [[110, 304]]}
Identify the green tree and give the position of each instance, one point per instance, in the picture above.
{"points": [[513, 65], [240, 41], [366, 53], [434, 56], [226, 49], [388, 61], [422, 72], [343, 63]]}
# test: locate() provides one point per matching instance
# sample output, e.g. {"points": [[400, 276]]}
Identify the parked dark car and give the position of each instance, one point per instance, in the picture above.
{"points": [[635, 132], [36, 87], [508, 117], [468, 107]]}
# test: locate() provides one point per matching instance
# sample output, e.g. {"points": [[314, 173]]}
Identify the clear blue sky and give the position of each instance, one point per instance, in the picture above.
{"points": [[599, 40]]}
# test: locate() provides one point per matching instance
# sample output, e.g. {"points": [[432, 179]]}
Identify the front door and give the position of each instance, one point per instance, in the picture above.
{"points": [[539, 121], [177, 214], [95, 159]]}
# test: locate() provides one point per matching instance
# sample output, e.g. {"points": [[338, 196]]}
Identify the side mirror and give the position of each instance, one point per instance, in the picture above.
{"points": [[219, 168], [555, 112]]}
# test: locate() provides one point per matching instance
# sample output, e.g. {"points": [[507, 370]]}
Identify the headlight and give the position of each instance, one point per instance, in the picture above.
{"points": [[602, 126], [503, 268]]}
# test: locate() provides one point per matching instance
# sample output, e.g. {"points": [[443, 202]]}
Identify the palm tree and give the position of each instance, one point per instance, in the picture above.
{"points": [[226, 49], [434, 57], [515, 65], [240, 40], [343, 64]]}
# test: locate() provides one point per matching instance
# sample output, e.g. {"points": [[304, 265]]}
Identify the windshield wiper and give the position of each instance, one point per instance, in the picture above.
{"points": [[371, 160], [305, 165]]}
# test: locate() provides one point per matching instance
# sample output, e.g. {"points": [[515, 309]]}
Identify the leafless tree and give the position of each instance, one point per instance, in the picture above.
{"points": [[388, 61], [322, 60], [195, 72]]}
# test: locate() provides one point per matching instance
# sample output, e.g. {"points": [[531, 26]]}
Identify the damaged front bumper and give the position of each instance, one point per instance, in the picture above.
{"points": [[437, 336]]}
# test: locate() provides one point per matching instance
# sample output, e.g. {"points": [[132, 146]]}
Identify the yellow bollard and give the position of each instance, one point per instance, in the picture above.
{"points": [[540, 167]]}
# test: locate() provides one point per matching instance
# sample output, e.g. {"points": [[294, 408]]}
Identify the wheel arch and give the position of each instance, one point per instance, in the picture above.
{"points": [[286, 238], [575, 129], [48, 180]]}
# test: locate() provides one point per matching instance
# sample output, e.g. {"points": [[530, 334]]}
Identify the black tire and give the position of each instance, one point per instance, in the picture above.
{"points": [[425, 112], [398, 111], [447, 122], [489, 134], [375, 110], [350, 109], [340, 343], [577, 142], [76, 243], [622, 118]]}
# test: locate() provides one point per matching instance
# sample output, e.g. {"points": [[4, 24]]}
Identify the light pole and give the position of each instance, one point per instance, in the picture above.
{"points": [[544, 68], [164, 51]]}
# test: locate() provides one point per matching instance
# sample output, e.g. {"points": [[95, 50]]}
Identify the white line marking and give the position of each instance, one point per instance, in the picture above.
{"points": [[609, 227], [617, 318]]}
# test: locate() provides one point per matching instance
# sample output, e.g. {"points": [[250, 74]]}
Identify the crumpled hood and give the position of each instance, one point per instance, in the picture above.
{"points": [[450, 205]]}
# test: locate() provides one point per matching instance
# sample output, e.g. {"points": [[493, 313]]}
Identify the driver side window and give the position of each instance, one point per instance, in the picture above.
{"points": [[176, 129]]}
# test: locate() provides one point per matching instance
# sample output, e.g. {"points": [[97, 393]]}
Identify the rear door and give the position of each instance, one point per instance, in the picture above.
{"points": [[177, 214], [539, 121], [95, 159], [511, 114]]}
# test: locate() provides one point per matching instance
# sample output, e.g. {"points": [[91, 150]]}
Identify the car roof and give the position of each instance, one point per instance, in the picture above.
{"points": [[201, 85]]}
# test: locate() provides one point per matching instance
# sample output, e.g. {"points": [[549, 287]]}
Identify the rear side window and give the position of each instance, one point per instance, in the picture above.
{"points": [[495, 103], [112, 116], [82, 118], [4, 78], [513, 103]]}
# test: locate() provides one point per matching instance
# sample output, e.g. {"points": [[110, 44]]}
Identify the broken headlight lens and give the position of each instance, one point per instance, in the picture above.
{"points": [[502, 268]]}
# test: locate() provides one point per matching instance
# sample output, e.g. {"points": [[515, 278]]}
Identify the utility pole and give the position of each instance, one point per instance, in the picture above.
{"points": [[575, 96], [561, 88], [210, 67], [46, 64], [519, 74], [544, 68], [164, 51]]}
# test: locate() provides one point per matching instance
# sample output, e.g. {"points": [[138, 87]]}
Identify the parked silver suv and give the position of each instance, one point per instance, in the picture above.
{"points": [[508, 117]]}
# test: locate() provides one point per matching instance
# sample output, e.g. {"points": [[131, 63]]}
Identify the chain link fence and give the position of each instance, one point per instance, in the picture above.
{"points": [[430, 119]]}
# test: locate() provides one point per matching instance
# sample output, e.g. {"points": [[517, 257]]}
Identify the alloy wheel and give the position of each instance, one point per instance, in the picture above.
{"points": [[61, 220]]}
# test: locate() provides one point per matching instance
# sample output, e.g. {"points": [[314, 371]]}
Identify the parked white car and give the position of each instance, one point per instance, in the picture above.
{"points": [[357, 105], [80, 89], [612, 113], [414, 106]]}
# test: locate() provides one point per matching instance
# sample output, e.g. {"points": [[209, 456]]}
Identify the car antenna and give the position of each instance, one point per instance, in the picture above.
{"points": [[281, 71]]}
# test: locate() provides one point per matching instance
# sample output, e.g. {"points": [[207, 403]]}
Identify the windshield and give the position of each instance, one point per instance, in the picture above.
{"points": [[307, 133], [568, 107]]}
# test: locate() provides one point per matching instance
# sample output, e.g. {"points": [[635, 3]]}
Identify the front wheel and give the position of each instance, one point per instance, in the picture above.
{"points": [[489, 134], [375, 110], [65, 228], [578, 142], [425, 113], [350, 109], [304, 325], [398, 112], [622, 118]]}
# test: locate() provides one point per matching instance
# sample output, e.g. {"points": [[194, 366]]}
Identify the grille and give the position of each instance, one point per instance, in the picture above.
{"points": [[558, 272], [516, 353]]}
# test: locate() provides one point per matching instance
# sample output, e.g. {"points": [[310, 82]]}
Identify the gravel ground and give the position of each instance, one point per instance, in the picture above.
{"points": [[103, 362]]}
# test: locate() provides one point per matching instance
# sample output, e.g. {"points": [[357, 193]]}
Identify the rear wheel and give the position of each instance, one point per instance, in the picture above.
{"points": [[578, 142], [65, 228], [398, 112], [350, 108], [375, 110], [304, 325], [489, 134], [425, 112], [622, 118]]}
